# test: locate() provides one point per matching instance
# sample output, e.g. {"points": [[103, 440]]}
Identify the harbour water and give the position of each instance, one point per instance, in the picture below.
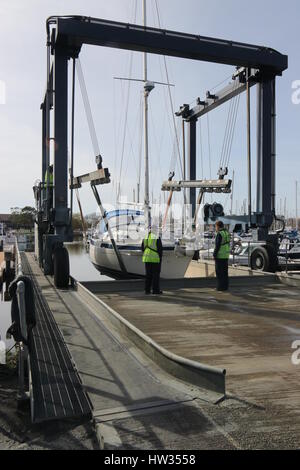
{"points": [[80, 266]]}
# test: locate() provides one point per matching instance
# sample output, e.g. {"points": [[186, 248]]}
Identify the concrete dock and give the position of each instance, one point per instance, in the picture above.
{"points": [[248, 331], [137, 402]]}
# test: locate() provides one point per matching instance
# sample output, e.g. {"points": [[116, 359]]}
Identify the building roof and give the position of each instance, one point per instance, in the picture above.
{"points": [[5, 217]]}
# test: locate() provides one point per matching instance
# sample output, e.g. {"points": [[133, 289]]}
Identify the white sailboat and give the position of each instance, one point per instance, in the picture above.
{"points": [[115, 246]]}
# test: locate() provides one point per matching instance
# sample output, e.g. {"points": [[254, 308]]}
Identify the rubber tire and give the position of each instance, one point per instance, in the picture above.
{"points": [[61, 267], [260, 254]]}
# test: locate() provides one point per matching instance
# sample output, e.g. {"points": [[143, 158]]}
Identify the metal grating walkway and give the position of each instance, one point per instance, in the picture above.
{"points": [[57, 391]]}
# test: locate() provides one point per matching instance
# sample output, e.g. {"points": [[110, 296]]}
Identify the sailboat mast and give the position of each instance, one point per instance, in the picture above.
{"points": [[146, 144]]}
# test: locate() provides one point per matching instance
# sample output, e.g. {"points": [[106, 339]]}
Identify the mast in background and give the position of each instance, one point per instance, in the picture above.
{"points": [[148, 87]]}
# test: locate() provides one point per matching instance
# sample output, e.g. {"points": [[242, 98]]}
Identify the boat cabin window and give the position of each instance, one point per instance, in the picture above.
{"points": [[122, 220]]}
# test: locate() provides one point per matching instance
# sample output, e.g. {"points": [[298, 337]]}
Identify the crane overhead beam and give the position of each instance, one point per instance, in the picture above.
{"points": [[73, 32], [212, 102]]}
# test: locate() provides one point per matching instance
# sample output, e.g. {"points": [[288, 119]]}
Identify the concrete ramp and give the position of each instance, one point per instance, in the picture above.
{"points": [[210, 379]]}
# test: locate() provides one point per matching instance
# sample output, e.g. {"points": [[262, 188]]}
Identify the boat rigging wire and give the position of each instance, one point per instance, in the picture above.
{"points": [[131, 142], [126, 111], [125, 121], [170, 97], [140, 151], [158, 144]]}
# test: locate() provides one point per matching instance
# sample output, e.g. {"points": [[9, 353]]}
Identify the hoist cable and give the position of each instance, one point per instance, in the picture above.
{"points": [[201, 149], [233, 131], [227, 132], [209, 147]]}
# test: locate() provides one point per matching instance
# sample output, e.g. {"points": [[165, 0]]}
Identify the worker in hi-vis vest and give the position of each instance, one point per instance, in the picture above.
{"points": [[152, 257], [49, 177], [49, 186], [221, 256]]}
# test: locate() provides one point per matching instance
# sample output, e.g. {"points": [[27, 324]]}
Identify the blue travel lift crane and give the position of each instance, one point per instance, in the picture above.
{"points": [[65, 38]]}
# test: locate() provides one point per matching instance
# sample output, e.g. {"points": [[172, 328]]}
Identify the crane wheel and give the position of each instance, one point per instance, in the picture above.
{"points": [[264, 259], [61, 266], [260, 259]]}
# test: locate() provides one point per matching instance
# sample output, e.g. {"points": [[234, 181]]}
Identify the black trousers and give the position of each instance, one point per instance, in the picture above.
{"points": [[222, 274], [152, 277]]}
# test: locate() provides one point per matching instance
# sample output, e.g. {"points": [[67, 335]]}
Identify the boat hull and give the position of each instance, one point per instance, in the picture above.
{"points": [[174, 266]]}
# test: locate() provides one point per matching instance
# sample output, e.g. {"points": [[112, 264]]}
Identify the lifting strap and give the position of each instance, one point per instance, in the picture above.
{"points": [[81, 214], [199, 202], [171, 176], [103, 213]]}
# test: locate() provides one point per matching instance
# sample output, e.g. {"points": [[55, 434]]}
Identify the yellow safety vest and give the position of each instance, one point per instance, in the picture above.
{"points": [[224, 251], [150, 250], [50, 178]]}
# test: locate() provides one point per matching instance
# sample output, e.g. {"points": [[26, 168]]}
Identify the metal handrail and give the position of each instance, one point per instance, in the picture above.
{"points": [[22, 347], [18, 261]]}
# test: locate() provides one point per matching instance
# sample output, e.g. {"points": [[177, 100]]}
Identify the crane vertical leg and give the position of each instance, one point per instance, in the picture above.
{"points": [[61, 216], [192, 145], [265, 156], [259, 151], [273, 151], [43, 195], [60, 220], [44, 143]]}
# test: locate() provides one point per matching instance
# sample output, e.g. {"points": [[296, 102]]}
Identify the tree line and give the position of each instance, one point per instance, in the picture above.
{"points": [[25, 217]]}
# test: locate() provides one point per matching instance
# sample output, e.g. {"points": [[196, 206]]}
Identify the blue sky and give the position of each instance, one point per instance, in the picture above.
{"points": [[23, 69]]}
